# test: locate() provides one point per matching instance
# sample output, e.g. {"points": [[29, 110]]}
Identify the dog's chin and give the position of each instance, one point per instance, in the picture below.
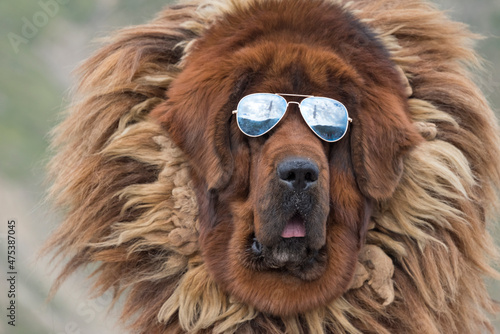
{"points": [[294, 249], [290, 256]]}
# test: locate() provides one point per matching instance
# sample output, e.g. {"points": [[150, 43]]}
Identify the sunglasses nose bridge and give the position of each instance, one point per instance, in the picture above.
{"points": [[298, 104], [295, 116], [288, 103]]}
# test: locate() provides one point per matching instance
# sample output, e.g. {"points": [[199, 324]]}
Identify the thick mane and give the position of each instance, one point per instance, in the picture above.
{"points": [[128, 202]]}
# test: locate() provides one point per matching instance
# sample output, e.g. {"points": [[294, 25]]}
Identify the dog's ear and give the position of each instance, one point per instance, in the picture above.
{"points": [[197, 118], [382, 134]]}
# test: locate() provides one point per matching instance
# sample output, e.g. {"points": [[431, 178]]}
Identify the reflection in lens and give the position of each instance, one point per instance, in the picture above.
{"points": [[259, 113], [326, 117]]}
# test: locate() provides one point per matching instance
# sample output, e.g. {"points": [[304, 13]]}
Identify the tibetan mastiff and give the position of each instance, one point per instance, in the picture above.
{"points": [[283, 166]]}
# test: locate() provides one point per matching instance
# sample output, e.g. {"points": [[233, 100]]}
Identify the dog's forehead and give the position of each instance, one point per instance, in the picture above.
{"points": [[311, 22], [310, 73], [324, 47]]}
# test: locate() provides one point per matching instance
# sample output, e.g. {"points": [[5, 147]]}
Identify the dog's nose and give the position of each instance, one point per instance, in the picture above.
{"points": [[298, 173]]}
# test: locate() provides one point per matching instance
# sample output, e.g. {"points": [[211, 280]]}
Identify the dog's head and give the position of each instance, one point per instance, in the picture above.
{"points": [[283, 215]]}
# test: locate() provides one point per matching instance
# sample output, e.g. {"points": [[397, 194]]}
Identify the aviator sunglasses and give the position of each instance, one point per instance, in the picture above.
{"points": [[258, 113]]}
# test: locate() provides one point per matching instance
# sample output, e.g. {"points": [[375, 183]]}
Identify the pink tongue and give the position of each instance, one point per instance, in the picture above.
{"points": [[295, 228]]}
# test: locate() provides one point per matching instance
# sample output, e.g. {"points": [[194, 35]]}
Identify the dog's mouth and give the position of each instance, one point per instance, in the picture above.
{"points": [[294, 228], [291, 253]]}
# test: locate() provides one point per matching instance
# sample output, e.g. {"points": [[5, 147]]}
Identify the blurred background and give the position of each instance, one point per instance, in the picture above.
{"points": [[41, 43]]}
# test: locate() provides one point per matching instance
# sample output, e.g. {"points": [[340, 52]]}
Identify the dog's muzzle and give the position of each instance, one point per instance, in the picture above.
{"points": [[294, 218]]}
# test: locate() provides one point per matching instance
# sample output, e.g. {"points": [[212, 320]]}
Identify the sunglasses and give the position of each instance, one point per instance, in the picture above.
{"points": [[258, 113]]}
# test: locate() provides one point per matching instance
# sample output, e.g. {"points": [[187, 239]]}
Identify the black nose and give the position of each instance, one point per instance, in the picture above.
{"points": [[298, 173]]}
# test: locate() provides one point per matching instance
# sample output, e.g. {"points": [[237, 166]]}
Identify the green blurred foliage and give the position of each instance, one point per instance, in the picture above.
{"points": [[33, 90]]}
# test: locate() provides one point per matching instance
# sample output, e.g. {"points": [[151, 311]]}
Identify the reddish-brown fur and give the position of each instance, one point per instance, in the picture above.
{"points": [[188, 265]]}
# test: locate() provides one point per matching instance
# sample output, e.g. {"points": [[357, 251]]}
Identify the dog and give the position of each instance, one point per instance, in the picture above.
{"points": [[283, 167]]}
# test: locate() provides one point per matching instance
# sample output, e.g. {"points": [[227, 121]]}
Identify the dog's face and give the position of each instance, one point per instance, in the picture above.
{"points": [[283, 215]]}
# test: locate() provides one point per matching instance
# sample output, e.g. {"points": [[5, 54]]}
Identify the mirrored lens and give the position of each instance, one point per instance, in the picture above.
{"points": [[259, 113], [326, 117]]}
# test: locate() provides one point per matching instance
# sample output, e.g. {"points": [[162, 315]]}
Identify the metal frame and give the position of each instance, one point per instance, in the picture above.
{"points": [[297, 103]]}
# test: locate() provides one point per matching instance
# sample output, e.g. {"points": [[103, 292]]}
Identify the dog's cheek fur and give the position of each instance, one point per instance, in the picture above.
{"points": [[344, 189], [196, 116], [381, 137]]}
